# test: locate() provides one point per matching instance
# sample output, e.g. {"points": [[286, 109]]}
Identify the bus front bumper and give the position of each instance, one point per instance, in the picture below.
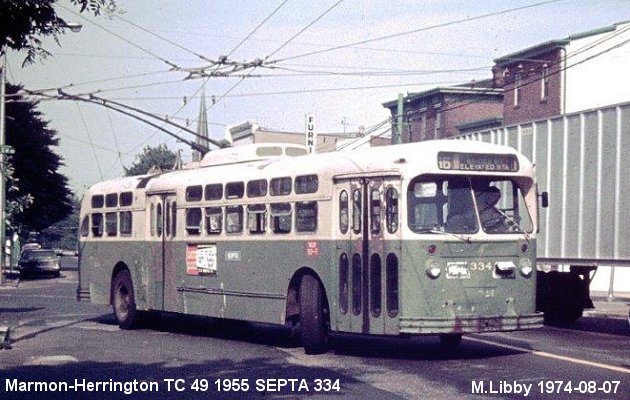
{"points": [[470, 324]]}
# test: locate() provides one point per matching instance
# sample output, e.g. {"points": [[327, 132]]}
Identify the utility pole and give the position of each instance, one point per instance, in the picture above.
{"points": [[3, 81]]}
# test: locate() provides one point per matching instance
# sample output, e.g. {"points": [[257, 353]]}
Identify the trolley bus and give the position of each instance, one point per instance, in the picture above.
{"points": [[425, 238]]}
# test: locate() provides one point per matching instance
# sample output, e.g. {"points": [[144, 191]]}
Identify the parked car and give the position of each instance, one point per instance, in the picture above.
{"points": [[39, 261]]}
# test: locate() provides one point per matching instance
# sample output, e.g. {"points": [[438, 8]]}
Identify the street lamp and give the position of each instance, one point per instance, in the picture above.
{"points": [[4, 149]]}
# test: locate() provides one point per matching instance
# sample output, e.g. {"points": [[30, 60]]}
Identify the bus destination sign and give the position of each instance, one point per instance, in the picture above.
{"points": [[477, 162]]}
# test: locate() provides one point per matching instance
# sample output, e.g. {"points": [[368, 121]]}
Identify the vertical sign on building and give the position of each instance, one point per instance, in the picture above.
{"points": [[311, 136]]}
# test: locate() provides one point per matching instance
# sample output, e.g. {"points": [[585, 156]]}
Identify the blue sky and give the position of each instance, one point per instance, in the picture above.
{"points": [[128, 55]]}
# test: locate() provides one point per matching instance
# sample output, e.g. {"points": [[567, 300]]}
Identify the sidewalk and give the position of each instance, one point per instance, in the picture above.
{"points": [[617, 308]]}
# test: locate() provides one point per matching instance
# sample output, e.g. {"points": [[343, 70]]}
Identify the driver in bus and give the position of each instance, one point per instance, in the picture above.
{"points": [[492, 220]]}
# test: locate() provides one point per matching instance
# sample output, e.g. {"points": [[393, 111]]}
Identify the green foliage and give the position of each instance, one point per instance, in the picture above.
{"points": [[38, 195], [64, 234], [24, 22], [160, 158]]}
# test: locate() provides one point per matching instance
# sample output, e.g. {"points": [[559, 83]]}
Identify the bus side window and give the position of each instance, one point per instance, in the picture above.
{"points": [[343, 211], [306, 216], [111, 223], [234, 219], [280, 186], [194, 193], [85, 226], [152, 220], [97, 201], [391, 210], [343, 283], [356, 211], [158, 220], [111, 200], [257, 188], [193, 221], [167, 223], [356, 284], [375, 211], [256, 217], [214, 217], [391, 282], [174, 219], [97, 225], [125, 222], [281, 217], [306, 184]]}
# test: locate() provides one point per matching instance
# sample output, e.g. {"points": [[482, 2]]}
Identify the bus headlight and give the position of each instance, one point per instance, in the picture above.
{"points": [[433, 269], [525, 264]]}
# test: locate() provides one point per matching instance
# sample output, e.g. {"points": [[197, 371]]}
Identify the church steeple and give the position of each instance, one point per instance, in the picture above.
{"points": [[202, 126]]}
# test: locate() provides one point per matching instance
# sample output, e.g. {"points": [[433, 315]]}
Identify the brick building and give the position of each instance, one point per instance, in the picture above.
{"points": [[445, 112], [583, 71]]}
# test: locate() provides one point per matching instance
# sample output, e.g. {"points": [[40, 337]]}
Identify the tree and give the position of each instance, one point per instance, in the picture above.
{"points": [[160, 157], [24, 22], [63, 234], [36, 187]]}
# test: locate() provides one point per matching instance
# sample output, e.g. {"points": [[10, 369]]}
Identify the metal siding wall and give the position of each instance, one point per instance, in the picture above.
{"points": [[623, 200], [573, 236], [583, 161], [607, 178]]}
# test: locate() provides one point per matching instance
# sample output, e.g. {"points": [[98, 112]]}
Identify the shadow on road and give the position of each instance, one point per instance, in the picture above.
{"points": [[596, 324]]}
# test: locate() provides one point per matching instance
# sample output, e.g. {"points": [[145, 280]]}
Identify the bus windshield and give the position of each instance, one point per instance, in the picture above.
{"points": [[464, 205]]}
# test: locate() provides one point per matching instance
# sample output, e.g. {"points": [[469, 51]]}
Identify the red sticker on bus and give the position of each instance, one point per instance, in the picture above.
{"points": [[191, 260], [312, 249]]}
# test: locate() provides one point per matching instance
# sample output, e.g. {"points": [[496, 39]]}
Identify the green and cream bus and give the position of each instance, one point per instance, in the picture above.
{"points": [[395, 240]]}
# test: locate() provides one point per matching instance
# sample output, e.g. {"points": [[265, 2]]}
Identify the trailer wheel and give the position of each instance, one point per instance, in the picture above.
{"points": [[313, 322], [123, 300]]}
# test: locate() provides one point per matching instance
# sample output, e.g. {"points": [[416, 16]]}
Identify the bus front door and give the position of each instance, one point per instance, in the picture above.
{"points": [[368, 254]]}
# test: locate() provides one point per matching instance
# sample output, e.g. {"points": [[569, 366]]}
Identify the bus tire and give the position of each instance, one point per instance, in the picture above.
{"points": [[313, 324], [450, 339], [123, 300]]}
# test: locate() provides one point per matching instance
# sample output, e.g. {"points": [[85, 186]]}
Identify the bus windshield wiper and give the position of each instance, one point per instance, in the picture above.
{"points": [[515, 225], [439, 232]]}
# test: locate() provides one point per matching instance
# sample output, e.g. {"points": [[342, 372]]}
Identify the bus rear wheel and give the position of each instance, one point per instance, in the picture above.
{"points": [[123, 300], [313, 323]]}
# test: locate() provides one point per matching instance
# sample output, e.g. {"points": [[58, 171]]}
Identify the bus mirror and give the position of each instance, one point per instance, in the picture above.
{"points": [[544, 199]]}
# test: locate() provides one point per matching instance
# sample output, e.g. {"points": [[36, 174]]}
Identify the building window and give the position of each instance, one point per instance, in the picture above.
{"points": [[517, 90], [544, 84], [438, 124]]}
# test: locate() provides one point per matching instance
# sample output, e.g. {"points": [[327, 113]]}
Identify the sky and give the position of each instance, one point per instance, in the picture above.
{"points": [[337, 60]]}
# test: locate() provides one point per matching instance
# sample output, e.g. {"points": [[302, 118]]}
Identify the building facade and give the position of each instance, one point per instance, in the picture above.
{"points": [[444, 112], [583, 71]]}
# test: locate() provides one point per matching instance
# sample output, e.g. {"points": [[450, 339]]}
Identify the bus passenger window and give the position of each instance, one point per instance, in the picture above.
{"points": [[174, 219], [213, 192], [214, 217], [391, 210], [194, 193], [167, 223], [280, 186], [356, 211], [375, 211], [111, 200], [126, 199], [85, 226], [306, 184], [375, 285], [125, 222], [343, 211], [97, 225], [391, 283], [306, 216], [97, 201], [234, 219], [356, 284], [257, 188], [111, 223], [158, 220], [193, 221], [234, 190], [256, 217], [343, 283], [152, 220], [281, 217]]}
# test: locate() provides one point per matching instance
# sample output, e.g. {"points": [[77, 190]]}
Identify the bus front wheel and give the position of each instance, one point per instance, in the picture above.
{"points": [[313, 324], [123, 300]]}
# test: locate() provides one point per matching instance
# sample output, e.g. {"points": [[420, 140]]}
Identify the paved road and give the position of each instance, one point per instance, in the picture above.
{"points": [[58, 340]]}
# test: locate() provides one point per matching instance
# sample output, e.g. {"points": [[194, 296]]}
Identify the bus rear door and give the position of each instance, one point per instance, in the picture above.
{"points": [[368, 251]]}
